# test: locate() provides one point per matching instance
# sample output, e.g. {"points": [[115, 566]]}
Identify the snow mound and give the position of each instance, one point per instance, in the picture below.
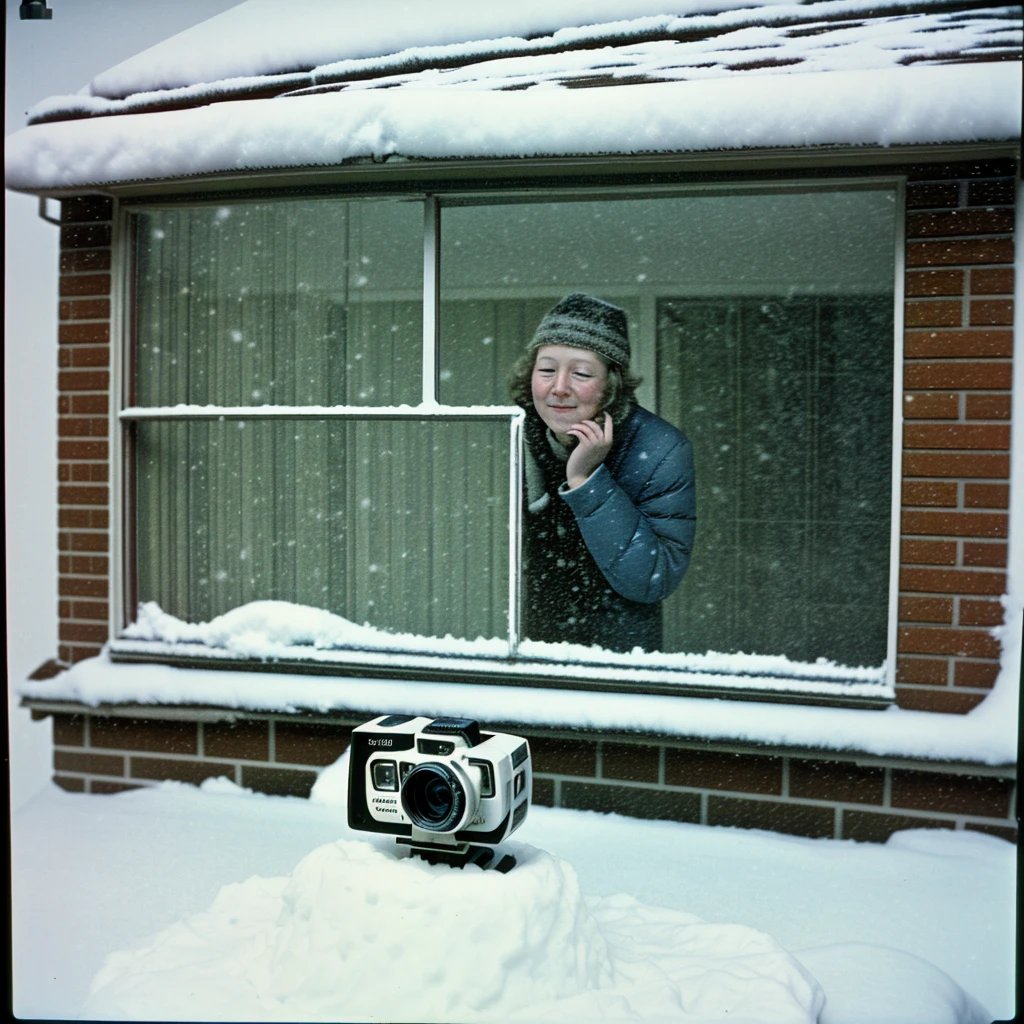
{"points": [[363, 933]]}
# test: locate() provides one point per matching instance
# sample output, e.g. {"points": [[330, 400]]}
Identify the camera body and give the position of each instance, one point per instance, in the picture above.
{"points": [[437, 783]]}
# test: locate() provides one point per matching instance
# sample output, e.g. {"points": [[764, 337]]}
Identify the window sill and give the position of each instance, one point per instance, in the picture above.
{"points": [[808, 684]]}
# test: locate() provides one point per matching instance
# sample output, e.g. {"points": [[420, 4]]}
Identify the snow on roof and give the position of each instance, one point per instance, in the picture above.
{"points": [[270, 85]]}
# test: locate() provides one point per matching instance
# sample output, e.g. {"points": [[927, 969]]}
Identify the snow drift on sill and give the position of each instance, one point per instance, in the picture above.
{"points": [[902, 106]]}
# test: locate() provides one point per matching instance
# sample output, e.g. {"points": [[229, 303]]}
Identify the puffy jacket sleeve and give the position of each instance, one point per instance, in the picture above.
{"points": [[642, 544]]}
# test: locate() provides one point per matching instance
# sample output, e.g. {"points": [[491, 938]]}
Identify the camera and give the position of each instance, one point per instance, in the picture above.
{"points": [[439, 785]]}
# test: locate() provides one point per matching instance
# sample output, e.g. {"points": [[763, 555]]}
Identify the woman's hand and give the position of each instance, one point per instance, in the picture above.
{"points": [[592, 449]]}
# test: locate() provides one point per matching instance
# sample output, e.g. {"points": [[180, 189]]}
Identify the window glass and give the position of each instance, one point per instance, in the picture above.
{"points": [[285, 303], [399, 524], [762, 326]]}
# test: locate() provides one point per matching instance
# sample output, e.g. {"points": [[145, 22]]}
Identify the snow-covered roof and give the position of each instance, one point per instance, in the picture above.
{"points": [[272, 84]]}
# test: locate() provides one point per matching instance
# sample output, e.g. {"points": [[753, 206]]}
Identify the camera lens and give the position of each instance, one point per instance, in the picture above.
{"points": [[433, 797]]}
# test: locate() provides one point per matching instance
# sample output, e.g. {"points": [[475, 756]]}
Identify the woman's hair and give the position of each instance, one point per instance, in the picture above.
{"points": [[619, 393]]}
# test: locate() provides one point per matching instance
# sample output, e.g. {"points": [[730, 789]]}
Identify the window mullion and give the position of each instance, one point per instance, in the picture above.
{"points": [[431, 296]]}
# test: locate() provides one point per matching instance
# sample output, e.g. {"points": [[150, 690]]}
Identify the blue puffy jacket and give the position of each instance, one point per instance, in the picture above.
{"points": [[601, 558]]}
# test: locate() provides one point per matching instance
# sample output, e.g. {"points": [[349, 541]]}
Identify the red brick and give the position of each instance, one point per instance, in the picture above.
{"points": [[278, 781], [980, 554], [83, 518], [960, 435], [929, 492], [86, 355], [92, 450], [85, 472], [310, 743], [85, 309], [793, 819], [79, 209], [82, 426], [964, 466], [63, 404], [75, 495], [96, 611], [928, 671], [933, 313], [68, 730], [934, 640], [74, 586], [85, 236], [990, 312], [955, 344], [940, 701], [64, 610], [1007, 832], [994, 281], [870, 827], [85, 405], [242, 740], [835, 781], [926, 609], [957, 253], [980, 613], [928, 552], [955, 794], [743, 773], [981, 674], [931, 405], [988, 407], [959, 222], [69, 784], [107, 788], [84, 334], [630, 762], [156, 735], [632, 801], [952, 581], [77, 654], [987, 495], [75, 260], [955, 524], [935, 282], [80, 632], [179, 771], [977, 376], [88, 565], [990, 193], [554, 756], [83, 380], [933, 194], [88, 764], [85, 284], [87, 541]]}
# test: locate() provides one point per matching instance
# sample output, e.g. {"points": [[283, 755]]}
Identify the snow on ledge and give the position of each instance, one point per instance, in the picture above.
{"points": [[987, 735], [883, 107]]}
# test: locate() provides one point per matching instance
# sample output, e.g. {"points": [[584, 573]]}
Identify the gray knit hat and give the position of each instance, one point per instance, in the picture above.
{"points": [[581, 321]]}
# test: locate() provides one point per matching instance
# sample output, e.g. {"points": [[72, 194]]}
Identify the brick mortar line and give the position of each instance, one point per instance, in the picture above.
{"points": [[769, 798], [189, 758]]}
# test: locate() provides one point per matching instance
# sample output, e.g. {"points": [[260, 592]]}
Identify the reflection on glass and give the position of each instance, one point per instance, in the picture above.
{"points": [[289, 303], [762, 325], [399, 524]]}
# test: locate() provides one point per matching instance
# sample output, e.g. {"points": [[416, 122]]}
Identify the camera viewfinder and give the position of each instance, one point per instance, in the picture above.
{"points": [[486, 776], [385, 776]]}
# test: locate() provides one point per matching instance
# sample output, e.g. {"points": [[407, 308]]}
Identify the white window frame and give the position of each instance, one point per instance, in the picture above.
{"points": [[616, 672]]}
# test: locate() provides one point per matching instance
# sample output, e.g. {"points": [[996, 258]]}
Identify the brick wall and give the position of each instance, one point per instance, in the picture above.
{"points": [[816, 795], [83, 432], [956, 439]]}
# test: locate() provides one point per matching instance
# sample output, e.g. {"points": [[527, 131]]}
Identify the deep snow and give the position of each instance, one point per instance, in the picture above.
{"points": [[172, 878]]}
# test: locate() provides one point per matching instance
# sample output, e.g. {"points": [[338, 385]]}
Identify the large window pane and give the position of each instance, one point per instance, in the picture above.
{"points": [[762, 325], [286, 303], [399, 524]]}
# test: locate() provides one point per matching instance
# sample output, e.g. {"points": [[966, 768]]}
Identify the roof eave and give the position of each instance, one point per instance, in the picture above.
{"points": [[455, 174]]}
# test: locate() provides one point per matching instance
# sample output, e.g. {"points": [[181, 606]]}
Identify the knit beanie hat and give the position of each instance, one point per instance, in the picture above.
{"points": [[581, 321]]}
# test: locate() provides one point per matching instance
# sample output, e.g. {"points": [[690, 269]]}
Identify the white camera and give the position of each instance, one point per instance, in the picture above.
{"points": [[439, 785]]}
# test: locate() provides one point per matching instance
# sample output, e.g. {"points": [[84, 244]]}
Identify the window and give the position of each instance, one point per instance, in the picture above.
{"points": [[319, 417]]}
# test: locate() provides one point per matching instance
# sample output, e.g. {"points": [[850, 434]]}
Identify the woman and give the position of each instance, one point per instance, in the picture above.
{"points": [[611, 509]]}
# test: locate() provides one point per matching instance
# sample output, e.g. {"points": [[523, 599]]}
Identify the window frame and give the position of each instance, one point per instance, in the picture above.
{"points": [[515, 670]]}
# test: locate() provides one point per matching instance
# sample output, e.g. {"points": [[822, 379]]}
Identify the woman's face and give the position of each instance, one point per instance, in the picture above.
{"points": [[568, 385]]}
